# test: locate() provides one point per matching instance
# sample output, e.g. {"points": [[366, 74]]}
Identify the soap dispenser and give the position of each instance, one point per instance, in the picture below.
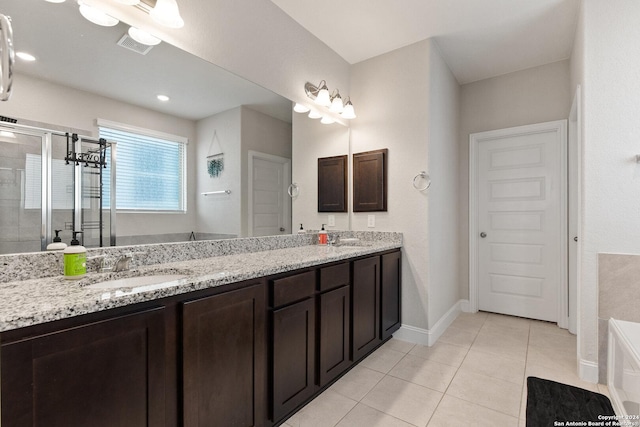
{"points": [[301, 230], [323, 237], [75, 259], [57, 244]]}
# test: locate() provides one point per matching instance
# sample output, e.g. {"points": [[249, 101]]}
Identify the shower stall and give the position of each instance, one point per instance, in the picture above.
{"points": [[53, 180]]}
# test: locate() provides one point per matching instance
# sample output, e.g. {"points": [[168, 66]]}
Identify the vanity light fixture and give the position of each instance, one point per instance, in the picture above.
{"points": [[25, 56], [300, 108], [129, 2], [320, 95], [348, 112], [336, 102], [326, 120], [163, 98], [166, 12], [314, 114], [143, 37], [96, 16], [55, 1]]}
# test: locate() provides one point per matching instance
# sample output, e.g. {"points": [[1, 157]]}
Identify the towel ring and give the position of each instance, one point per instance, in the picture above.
{"points": [[293, 190], [422, 175]]}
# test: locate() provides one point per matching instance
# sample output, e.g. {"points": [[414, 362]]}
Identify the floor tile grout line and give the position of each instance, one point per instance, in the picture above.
{"points": [[456, 373]]}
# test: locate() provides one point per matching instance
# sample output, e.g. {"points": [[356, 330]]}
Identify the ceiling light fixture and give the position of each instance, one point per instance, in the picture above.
{"points": [[163, 98], [143, 37], [320, 95], [25, 56], [97, 16], [166, 12]]}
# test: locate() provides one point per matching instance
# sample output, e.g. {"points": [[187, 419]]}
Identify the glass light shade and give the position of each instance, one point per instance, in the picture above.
{"points": [[97, 16], [299, 108], [143, 37], [166, 13], [129, 2], [314, 115], [349, 112], [55, 1], [326, 120], [323, 98], [336, 105]]}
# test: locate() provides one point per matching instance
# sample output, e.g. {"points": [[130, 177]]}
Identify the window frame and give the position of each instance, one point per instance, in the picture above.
{"points": [[108, 124]]}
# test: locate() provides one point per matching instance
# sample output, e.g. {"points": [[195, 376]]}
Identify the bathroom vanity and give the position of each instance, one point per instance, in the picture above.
{"points": [[239, 339]]}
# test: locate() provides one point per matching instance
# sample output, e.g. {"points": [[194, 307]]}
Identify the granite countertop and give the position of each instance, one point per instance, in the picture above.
{"points": [[34, 301]]}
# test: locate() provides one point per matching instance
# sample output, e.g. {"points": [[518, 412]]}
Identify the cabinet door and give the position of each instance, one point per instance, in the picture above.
{"points": [[224, 359], [332, 184], [103, 374], [390, 294], [293, 355], [365, 304], [335, 326]]}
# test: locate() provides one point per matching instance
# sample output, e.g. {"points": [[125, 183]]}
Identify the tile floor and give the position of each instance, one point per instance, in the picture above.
{"points": [[473, 376]]}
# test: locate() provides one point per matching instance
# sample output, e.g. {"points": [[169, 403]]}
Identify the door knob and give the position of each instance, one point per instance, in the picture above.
{"points": [[483, 234]]}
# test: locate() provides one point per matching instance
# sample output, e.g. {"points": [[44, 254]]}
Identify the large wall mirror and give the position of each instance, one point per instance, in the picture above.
{"points": [[82, 74]]}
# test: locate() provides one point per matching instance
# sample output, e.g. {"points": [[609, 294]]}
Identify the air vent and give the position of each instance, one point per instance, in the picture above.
{"points": [[8, 119], [129, 43]]}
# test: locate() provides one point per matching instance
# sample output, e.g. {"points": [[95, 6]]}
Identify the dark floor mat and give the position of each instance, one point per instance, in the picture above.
{"points": [[554, 404]]}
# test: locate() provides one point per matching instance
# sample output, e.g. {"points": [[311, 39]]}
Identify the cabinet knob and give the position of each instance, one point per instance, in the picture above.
{"points": [[483, 234]]}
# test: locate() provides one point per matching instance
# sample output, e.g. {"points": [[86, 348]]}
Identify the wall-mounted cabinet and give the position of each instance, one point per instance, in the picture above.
{"points": [[332, 184], [370, 181]]}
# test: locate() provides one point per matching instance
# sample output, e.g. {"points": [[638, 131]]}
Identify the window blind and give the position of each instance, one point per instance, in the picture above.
{"points": [[150, 172]]}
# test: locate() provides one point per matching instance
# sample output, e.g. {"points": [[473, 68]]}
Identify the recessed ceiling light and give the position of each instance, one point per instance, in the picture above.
{"points": [[25, 56], [163, 98]]}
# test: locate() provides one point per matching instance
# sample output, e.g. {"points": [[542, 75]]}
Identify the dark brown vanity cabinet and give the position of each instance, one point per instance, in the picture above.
{"points": [[224, 359], [390, 294], [334, 321], [101, 374], [366, 306], [293, 342]]}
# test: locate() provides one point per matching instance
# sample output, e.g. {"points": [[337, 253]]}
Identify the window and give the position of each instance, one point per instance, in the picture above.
{"points": [[150, 169]]}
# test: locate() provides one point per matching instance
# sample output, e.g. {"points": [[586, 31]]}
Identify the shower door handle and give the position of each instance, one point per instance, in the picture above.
{"points": [[7, 57]]}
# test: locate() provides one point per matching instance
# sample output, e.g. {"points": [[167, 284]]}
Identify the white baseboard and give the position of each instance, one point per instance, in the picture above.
{"points": [[465, 306], [429, 337], [588, 371]]}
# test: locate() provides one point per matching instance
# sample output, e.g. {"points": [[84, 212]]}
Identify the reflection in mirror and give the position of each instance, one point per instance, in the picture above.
{"points": [[82, 73], [313, 140]]}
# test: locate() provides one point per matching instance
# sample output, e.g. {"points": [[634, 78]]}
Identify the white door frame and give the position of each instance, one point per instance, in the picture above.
{"points": [[575, 214], [559, 126], [286, 181]]}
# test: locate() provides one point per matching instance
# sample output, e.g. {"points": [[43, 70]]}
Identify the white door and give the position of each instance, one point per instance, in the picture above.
{"points": [[269, 203], [520, 188]]}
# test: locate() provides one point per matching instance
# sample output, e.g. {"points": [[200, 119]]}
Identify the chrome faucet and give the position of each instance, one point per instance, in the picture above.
{"points": [[122, 264]]}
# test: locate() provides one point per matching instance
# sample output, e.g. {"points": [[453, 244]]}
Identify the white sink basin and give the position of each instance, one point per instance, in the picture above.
{"points": [[137, 281]]}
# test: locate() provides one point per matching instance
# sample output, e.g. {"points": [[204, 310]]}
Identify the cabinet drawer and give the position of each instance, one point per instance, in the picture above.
{"points": [[333, 277], [293, 288]]}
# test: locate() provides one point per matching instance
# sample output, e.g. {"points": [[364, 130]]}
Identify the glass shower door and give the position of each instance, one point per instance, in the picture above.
{"points": [[21, 195]]}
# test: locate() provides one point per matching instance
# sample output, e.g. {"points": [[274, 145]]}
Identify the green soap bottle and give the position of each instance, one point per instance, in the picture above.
{"points": [[75, 259]]}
